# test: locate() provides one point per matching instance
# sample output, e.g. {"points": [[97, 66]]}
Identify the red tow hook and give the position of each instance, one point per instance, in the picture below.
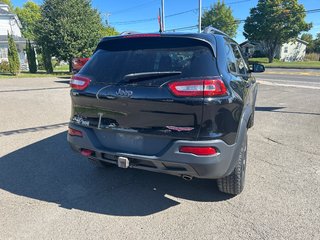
{"points": [[86, 152]]}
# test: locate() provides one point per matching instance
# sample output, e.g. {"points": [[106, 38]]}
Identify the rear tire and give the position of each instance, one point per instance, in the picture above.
{"points": [[234, 183], [251, 121]]}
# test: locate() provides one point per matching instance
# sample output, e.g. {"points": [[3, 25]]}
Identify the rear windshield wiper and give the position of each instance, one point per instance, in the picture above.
{"points": [[147, 75]]}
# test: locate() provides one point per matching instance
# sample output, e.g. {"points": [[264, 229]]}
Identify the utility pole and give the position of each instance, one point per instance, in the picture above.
{"points": [[107, 19], [199, 20], [162, 16]]}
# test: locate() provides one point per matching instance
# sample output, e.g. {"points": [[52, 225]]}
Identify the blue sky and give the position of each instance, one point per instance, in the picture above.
{"points": [[122, 11]]}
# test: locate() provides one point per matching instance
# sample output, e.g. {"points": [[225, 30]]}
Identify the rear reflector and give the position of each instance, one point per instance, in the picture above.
{"points": [[198, 88], [74, 132], [202, 151], [86, 152], [79, 82]]}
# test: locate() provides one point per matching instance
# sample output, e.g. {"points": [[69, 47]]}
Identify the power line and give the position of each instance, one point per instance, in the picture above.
{"points": [[133, 7], [192, 10], [168, 16], [183, 28], [154, 18], [313, 10]]}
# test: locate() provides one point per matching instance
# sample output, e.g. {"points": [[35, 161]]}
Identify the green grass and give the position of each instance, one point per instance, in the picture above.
{"points": [[280, 64], [39, 74], [63, 68]]}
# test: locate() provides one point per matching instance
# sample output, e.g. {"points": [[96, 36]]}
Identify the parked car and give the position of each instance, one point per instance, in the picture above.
{"points": [[171, 103], [78, 63]]}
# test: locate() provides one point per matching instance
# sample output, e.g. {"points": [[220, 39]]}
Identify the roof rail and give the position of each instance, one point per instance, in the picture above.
{"points": [[128, 33], [213, 30]]}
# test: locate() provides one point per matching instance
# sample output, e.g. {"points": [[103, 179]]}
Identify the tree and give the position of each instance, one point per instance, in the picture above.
{"points": [[220, 16], [109, 31], [31, 56], [68, 29], [13, 57], [308, 38], [46, 58], [29, 15], [275, 22], [316, 43], [9, 3]]}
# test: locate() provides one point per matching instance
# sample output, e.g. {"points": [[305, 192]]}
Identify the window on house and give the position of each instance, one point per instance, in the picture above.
{"points": [[3, 53], [285, 49]]}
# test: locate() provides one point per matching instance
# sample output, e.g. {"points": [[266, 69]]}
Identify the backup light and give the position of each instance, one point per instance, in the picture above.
{"points": [[79, 82]]}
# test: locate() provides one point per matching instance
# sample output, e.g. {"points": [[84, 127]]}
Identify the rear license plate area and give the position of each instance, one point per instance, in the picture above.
{"points": [[129, 141]]}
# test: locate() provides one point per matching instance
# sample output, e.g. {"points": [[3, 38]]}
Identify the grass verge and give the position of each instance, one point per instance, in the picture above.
{"points": [[279, 64], [39, 74]]}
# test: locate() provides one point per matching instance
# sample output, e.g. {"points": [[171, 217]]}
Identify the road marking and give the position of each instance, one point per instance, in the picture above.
{"points": [[32, 89], [292, 81], [287, 85], [34, 129], [294, 73]]}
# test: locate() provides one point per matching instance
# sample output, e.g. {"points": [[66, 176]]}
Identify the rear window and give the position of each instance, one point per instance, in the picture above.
{"points": [[118, 58]]}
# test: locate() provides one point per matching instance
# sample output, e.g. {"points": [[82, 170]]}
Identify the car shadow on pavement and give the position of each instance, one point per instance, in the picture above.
{"points": [[268, 109], [276, 110], [50, 171], [66, 77], [63, 81]]}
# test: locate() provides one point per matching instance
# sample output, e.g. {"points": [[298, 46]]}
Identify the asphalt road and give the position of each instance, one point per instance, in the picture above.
{"points": [[305, 79], [48, 192]]}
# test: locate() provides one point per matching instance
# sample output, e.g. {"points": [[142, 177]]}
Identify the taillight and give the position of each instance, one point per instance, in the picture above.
{"points": [[202, 151], [198, 88], [79, 82], [74, 132]]}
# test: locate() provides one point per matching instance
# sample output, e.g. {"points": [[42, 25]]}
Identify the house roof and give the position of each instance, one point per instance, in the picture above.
{"points": [[302, 41], [2, 11], [247, 42], [17, 39]]}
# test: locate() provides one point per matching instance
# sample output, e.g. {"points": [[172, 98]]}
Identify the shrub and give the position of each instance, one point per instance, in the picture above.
{"points": [[31, 55], [258, 54], [4, 67], [14, 63]]}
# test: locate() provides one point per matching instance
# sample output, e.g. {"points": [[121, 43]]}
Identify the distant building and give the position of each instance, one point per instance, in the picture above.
{"points": [[294, 50], [9, 23]]}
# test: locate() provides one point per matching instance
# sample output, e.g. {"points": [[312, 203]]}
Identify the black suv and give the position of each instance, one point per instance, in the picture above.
{"points": [[172, 103]]}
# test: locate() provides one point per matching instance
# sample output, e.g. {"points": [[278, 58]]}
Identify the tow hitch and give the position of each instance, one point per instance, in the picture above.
{"points": [[123, 162]]}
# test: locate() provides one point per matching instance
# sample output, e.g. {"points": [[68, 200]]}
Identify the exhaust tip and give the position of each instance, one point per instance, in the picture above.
{"points": [[187, 177]]}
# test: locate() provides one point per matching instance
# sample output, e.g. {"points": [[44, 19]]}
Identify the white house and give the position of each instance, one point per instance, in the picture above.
{"points": [[294, 50], [9, 23]]}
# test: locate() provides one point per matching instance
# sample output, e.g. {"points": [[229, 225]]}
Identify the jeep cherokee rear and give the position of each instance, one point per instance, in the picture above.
{"points": [[171, 103]]}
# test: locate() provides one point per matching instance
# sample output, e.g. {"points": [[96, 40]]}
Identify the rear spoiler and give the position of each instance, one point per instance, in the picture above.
{"points": [[106, 40]]}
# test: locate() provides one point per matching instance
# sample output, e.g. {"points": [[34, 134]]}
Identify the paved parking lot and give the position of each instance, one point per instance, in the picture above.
{"points": [[48, 192]]}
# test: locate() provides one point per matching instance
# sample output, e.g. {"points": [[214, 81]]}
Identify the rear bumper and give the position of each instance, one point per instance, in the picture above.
{"points": [[170, 161]]}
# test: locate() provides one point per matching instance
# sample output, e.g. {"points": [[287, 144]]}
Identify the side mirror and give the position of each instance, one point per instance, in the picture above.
{"points": [[258, 68]]}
